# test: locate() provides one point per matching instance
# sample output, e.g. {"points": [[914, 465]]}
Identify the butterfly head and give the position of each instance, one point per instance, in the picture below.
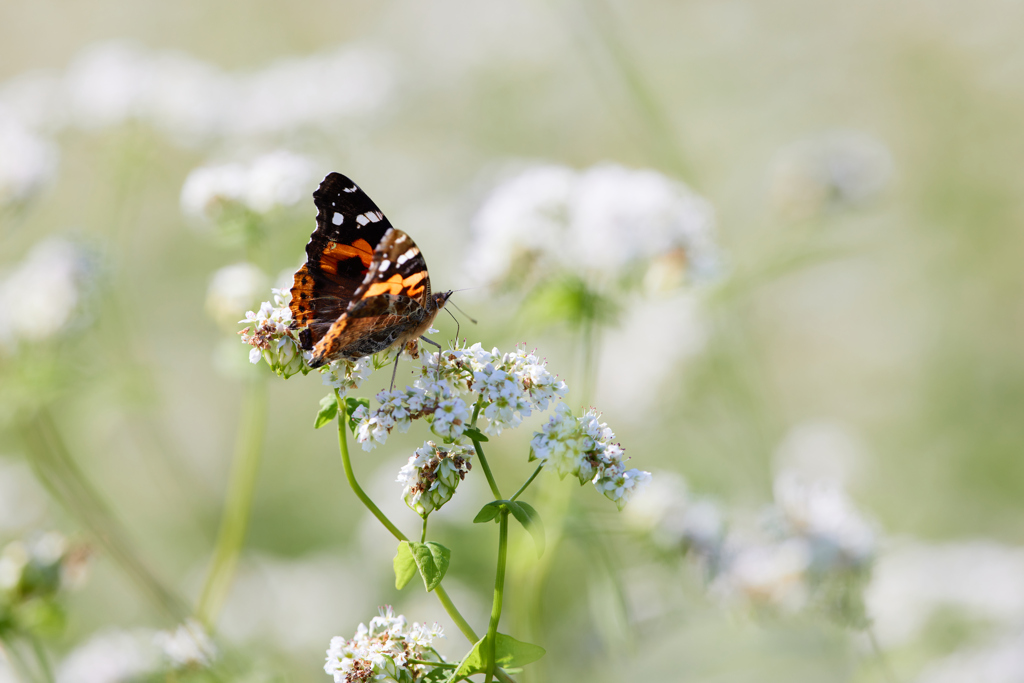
{"points": [[440, 299]]}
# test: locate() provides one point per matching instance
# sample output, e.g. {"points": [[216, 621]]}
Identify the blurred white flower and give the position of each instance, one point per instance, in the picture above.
{"points": [[911, 581], [998, 662], [27, 162], [821, 450], [110, 83], [767, 574], [233, 289], [279, 178], [111, 657], [187, 645], [822, 512], [39, 296], [833, 169], [271, 339], [596, 223]]}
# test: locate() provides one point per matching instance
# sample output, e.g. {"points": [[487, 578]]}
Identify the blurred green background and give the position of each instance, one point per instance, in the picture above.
{"points": [[892, 315]]}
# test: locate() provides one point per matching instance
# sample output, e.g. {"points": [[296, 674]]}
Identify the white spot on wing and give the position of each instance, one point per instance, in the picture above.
{"points": [[338, 219], [350, 189], [407, 255], [385, 264], [361, 219], [369, 217]]}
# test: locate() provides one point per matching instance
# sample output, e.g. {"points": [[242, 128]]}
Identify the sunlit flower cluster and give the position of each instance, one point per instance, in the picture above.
{"points": [[383, 651], [601, 224], [279, 178], [271, 339], [583, 447], [503, 387], [39, 296], [433, 472]]}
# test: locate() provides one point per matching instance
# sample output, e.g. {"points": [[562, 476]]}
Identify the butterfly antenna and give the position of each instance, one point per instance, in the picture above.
{"points": [[472, 320], [457, 328]]}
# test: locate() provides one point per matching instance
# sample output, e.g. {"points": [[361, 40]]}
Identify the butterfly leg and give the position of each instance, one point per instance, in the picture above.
{"points": [[434, 343], [394, 372]]}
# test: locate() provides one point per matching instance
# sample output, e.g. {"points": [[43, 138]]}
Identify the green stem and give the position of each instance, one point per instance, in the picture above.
{"points": [[499, 593], [487, 470], [350, 476], [528, 482], [427, 662], [423, 535], [237, 503], [57, 471]]}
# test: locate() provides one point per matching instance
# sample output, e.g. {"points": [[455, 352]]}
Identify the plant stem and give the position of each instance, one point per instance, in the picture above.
{"points": [[423, 536], [41, 657], [57, 471], [528, 482], [499, 592], [487, 470], [350, 476], [245, 467], [439, 665]]}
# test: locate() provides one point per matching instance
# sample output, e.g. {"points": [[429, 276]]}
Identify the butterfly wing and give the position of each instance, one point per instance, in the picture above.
{"points": [[392, 303], [339, 255]]}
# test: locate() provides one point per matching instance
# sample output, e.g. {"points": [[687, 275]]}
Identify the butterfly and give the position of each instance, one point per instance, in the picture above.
{"points": [[364, 287]]}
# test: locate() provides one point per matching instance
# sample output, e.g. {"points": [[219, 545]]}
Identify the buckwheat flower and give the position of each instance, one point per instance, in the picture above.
{"points": [[107, 83], [271, 339], [27, 162], [188, 645], [382, 651], [276, 179], [345, 374], [619, 484], [598, 224], [450, 418], [433, 400], [432, 474], [40, 295], [233, 289], [770, 574]]}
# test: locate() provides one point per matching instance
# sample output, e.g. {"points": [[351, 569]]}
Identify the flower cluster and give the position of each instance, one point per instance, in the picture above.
{"points": [[271, 339], [433, 472], [276, 179], [111, 83], [810, 548], [383, 651], [39, 296], [583, 447], [502, 387], [599, 224], [27, 163]]}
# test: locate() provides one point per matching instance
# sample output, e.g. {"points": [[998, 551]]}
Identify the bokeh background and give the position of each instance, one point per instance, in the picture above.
{"points": [[864, 326]]}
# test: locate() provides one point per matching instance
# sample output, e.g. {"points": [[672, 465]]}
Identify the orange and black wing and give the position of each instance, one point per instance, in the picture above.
{"points": [[339, 256]]}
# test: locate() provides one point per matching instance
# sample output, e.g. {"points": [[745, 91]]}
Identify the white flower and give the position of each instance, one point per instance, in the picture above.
{"points": [[382, 650], [269, 334], [596, 223], [27, 162], [187, 645], [823, 512], [38, 297], [275, 179], [433, 472], [770, 574], [233, 289], [345, 374]]}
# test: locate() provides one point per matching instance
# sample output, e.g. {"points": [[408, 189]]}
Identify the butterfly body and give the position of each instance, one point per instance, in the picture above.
{"points": [[364, 287]]}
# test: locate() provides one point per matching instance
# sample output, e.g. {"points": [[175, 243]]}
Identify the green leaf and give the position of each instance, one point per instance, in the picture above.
{"points": [[432, 560], [350, 407], [328, 411], [405, 565], [508, 653], [475, 434], [488, 512], [528, 517]]}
